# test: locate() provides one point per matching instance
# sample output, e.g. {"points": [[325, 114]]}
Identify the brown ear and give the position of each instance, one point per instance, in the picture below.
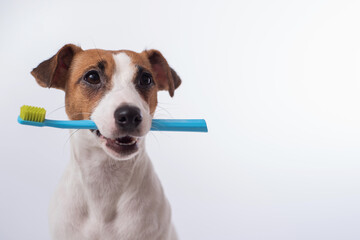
{"points": [[165, 77], [54, 71]]}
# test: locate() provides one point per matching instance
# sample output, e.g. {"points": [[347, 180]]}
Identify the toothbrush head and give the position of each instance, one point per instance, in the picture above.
{"points": [[30, 113]]}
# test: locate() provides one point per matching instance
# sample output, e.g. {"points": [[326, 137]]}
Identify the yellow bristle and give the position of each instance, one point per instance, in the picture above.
{"points": [[34, 114]]}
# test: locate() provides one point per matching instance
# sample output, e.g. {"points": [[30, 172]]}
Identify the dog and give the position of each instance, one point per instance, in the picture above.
{"points": [[109, 189]]}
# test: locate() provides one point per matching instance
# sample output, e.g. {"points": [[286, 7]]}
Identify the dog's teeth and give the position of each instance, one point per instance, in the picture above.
{"points": [[125, 144]]}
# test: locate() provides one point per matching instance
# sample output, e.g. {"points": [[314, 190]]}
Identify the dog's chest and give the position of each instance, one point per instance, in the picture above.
{"points": [[129, 218], [96, 207], [123, 226]]}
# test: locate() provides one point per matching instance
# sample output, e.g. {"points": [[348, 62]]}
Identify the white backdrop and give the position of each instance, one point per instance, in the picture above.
{"points": [[277, 81]]}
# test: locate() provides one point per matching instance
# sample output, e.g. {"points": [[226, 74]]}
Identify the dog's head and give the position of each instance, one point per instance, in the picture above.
{"points": [[116, 89]]}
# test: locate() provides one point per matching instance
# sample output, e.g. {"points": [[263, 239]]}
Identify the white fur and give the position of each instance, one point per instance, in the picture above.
{"points": [[122, 92], [100, 197]]}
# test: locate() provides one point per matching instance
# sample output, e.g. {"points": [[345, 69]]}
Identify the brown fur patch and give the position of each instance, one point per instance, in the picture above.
{"points": [[81, 98]]}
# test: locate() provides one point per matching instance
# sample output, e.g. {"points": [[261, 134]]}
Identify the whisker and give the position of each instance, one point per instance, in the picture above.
{"points": [[55, 110], [163, 109], [156, 139], [70, 138]]}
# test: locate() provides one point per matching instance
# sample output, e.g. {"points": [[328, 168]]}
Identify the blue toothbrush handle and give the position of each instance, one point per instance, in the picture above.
{"points": [[74, 124], [179, 125], [182, 125]]}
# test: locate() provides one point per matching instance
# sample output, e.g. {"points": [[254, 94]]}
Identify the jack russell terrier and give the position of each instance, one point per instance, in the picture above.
{"points": [[109, 189]]}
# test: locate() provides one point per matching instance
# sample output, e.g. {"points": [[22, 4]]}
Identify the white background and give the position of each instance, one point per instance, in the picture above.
{"points": [[277, 82]]}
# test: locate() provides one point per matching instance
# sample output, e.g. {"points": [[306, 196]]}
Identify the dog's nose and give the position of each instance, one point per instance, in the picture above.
{"points": [[128, 117]]}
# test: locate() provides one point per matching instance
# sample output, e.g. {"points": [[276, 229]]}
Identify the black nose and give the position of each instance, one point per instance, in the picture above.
{"points": [[128, 117]]}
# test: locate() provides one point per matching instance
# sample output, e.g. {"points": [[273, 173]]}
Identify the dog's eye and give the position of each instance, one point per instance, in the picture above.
{"points": [[92, 77], [146, 80]]}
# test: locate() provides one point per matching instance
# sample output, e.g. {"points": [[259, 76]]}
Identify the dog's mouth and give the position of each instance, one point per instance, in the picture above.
{"points": [[122, 145]]}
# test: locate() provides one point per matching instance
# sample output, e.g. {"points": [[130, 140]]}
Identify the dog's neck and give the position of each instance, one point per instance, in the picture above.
{"points": [[103, 178]]}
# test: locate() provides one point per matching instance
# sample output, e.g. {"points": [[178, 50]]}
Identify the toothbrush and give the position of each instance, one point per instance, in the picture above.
{"points": [[35, 116]]}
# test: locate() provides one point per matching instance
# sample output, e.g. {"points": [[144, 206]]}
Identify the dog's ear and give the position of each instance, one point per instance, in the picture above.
{"points": [[54, 71], [165, 77]]}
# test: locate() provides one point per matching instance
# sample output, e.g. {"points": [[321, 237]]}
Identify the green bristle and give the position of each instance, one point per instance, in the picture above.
{"points": [[34, 114]]}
